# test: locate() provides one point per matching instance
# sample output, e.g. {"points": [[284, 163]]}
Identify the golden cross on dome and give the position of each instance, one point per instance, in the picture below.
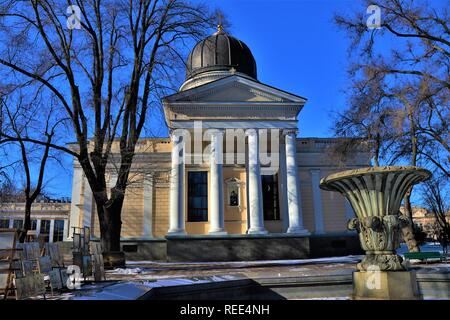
{"points": [[220, 21]]}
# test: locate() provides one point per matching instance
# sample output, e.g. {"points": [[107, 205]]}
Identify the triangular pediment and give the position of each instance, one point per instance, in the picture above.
{"points": [[235, 89]]}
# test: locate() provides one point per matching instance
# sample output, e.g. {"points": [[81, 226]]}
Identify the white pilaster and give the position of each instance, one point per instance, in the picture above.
{"points": [[293, 186], [176, 224], [87, 204], [317, 202], [255, 187], [74, 218], [52, 230], [217, 219], [148, 206]]}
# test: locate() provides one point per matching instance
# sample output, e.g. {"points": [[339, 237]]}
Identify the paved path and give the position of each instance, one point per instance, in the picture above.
{"points": [[140, 276]]}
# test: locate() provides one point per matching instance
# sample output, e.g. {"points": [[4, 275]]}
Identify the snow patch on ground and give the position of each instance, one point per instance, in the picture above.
{"points": [[236, 264], [126, 271]]}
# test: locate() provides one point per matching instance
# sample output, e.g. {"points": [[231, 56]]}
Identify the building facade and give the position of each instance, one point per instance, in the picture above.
{"points": [[233, 164], [49, 218], [426, 220]]}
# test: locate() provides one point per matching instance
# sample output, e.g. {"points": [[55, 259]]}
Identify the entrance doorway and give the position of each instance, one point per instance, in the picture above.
{"points": [[270, 197]]}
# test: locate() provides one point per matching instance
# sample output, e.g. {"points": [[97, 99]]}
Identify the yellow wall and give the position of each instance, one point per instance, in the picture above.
{"points": [[235, 217], [160, 219]]}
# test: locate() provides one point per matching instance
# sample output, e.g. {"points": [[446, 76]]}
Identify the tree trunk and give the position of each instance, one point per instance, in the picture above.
{"points": [[26, 222], [408, 231], [109, 214], [110, 229]]}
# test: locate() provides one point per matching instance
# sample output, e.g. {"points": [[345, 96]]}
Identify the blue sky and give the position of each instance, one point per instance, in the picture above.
{"points": [[297, 48]]}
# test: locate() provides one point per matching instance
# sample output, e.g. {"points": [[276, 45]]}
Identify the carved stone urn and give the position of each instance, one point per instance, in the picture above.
{"points": [[376, 194]]}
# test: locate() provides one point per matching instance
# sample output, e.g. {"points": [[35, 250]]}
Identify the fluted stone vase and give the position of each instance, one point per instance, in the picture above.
{"points": [[376, 194]]}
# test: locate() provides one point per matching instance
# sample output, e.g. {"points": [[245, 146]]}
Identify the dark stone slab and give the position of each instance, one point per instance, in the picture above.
{"points": [[135, 250], [236, 248], [274, 246], [334, 245]]}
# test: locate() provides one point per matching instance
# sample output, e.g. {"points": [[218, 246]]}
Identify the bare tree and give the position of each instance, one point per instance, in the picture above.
{"points": [[367, 119], [22, 121], [412, 75], [436, 199], [106, 75], [418, 61], [8, 191]]}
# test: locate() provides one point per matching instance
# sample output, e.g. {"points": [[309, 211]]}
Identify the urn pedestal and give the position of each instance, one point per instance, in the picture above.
{"points": [[376, 194], [385, 285]]}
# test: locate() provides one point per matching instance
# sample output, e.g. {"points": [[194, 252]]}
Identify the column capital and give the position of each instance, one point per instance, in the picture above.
{"points": [[214, 133], [286, 132], [176, 134], [252, 132], [149, 177]]}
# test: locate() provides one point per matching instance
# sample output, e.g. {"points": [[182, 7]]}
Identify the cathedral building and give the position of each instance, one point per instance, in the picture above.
{"points": [[233, 181]]}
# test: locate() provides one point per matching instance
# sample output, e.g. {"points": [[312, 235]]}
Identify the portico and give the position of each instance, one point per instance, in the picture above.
{"points": [[255, 122]]}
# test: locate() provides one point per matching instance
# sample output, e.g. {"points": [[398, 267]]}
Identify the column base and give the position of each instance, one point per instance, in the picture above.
{"points": [[299, 231], [257, 231], [176, 232], [220, 232]]}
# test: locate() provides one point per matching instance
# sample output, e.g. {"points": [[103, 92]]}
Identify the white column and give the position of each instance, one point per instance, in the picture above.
{"points": [[255, 188], [52, 229], [293, 186], [87, 205], [66, 229], [11, 223], [148, 206], [317, 202], [74, 219], [38, 227], [176, 224], [282, 187], [217, 219]]}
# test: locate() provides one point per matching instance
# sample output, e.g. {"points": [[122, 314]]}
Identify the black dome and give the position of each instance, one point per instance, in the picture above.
{"points": [[220, 51]]}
